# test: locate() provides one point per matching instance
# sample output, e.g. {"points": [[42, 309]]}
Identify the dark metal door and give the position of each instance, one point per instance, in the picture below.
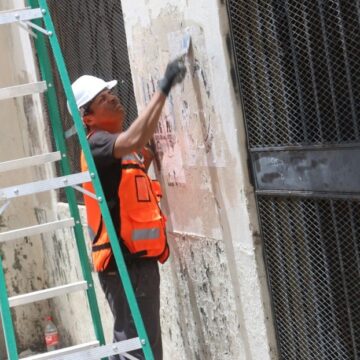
{"points": [[298, 66]]}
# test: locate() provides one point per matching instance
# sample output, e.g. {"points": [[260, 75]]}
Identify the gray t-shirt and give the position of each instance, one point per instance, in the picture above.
{"points": [[109, 170]]}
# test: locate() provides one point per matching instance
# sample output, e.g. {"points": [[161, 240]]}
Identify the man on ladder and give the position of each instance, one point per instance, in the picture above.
{"points": [[132, 199]]}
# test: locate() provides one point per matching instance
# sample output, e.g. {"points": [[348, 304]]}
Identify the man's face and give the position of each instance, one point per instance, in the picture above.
{"points": [[105, 112]]}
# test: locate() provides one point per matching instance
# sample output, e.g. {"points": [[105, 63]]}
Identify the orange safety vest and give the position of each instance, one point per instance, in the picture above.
{"points": [[142, 223]]}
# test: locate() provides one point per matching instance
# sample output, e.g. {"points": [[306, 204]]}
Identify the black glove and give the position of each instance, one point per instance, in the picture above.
{"points": [[174, 74]]}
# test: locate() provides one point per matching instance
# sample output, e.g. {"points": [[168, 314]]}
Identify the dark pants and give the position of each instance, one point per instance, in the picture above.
{"points": [[145, 279]]}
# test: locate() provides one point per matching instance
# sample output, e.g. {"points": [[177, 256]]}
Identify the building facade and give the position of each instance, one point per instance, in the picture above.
{"points": [[258, 166]]}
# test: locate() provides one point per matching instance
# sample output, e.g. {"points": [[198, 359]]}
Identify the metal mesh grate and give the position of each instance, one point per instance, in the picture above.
{"points": [[313, 253], [299, 69], [93, 41]]}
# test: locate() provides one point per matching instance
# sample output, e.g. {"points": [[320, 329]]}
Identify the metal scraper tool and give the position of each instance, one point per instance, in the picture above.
{"points": [[185, 45]]}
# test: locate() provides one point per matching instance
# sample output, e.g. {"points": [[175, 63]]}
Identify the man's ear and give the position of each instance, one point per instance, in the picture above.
{"points": [[89, 120]]}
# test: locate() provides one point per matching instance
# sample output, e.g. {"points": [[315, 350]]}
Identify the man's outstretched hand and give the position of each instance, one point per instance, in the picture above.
{"points": [[174, 74]]}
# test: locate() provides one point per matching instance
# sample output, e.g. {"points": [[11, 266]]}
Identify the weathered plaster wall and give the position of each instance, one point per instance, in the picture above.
{"points": [[215, 302], [22, 134]]}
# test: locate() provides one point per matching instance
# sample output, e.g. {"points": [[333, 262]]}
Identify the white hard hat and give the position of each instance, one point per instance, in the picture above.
{"points": [[86, 87]]}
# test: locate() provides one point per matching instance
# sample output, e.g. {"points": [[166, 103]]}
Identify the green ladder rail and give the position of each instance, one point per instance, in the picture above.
{"points": [[37, 20]]}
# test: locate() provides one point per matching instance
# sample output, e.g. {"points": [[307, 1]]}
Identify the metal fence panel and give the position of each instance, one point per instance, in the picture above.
{"points": [[298, 66], [312, 248]]}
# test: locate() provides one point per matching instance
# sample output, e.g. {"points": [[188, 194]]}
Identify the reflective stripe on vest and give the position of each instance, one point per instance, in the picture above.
{"points": [[146, 234], [142, 225]]}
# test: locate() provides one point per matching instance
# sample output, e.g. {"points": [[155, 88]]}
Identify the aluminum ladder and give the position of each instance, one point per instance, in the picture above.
{"points": [[36, 19]]}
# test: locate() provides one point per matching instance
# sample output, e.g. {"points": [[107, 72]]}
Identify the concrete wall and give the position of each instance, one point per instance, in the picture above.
{"points": [[22, 134], [214, 296]]}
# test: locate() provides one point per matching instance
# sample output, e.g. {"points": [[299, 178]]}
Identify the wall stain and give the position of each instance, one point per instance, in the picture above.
{"points": [[14, 286], [17, 262]]}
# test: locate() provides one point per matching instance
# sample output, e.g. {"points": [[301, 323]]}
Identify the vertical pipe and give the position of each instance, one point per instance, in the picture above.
{"points": [[343, 280], [312, 69], [296, 70], [347, 71], [329, 69]]}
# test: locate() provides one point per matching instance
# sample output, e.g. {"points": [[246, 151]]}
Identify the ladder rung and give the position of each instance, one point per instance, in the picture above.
{"points": [[63, 352], [22, 90], [30, 161], [120, 347], [70, 132], [96, 353], [36, 229], [8, 17], [44, 185], [47, 293]]}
